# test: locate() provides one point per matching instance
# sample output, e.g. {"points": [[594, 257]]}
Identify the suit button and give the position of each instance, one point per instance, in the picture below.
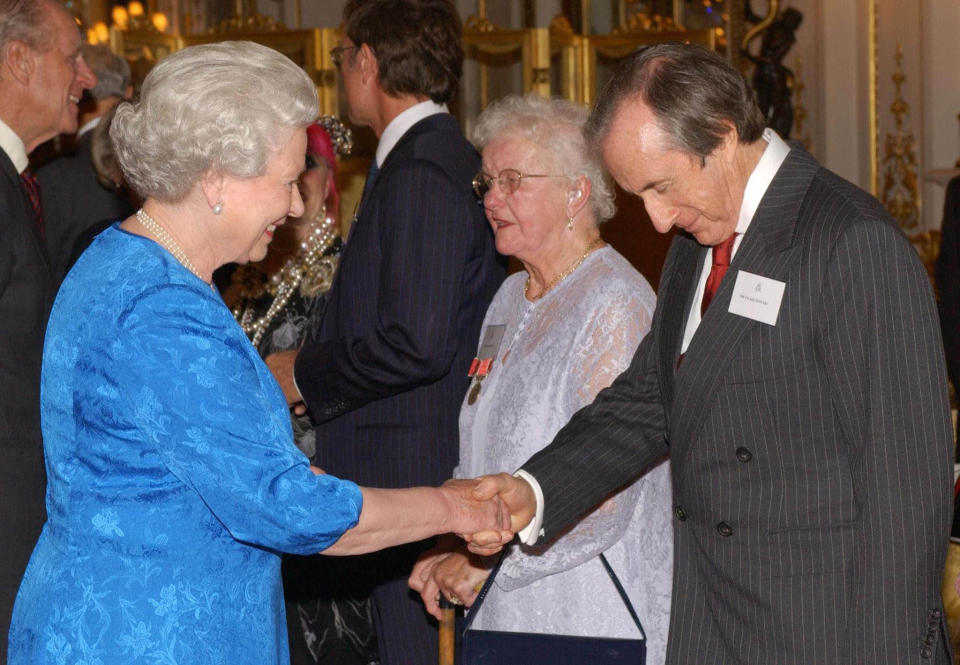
{"points": [[725, 529], [926, 652], [680, 513], [929, 640], [744, 455], [935, 614]]}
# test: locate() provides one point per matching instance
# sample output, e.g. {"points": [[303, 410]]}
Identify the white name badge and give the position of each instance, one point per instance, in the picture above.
{"points": [[757, 297]]}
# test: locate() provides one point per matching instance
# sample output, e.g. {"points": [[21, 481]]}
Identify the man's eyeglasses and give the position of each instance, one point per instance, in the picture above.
{"points": [[508, 179], [336, 54]]}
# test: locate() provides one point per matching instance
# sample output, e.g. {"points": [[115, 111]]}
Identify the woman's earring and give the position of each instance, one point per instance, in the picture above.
{"points": [[218, 208], [570, 223]]}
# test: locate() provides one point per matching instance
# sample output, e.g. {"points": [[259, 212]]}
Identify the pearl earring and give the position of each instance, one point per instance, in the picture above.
{"points": [[218, 208]]}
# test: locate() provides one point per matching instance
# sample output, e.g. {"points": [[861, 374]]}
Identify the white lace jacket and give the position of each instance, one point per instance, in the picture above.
{"points": [[557, 354]]}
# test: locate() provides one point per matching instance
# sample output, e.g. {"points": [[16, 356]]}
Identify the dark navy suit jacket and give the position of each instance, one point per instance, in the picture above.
{"points": [[75, 205], [385, 371], [26, 293]]}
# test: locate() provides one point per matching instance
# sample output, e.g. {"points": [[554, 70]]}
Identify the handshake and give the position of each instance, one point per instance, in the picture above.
{"points": [[488, 511]]}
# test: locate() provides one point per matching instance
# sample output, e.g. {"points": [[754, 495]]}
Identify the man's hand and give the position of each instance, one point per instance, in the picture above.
{"points": [[469, 514], [281, 365], [518, 500]]}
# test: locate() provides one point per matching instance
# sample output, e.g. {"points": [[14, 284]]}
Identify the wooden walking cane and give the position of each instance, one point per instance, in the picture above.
{"points": [[448, 614]]}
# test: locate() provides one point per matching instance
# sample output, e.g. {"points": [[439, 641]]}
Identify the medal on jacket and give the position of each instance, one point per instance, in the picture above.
{"points": [[479, 369], [481, 365]]}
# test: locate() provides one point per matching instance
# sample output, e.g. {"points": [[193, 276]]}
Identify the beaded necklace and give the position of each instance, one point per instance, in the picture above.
{"points": [[302, 270]]}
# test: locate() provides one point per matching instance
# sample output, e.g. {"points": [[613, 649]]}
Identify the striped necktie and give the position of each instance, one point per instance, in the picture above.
{"points": [[32, 185]]}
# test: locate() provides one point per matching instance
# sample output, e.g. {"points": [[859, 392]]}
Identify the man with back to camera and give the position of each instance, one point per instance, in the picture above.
{"points": [[385, 370], [42, 77], [794, 373], [76, 204]]}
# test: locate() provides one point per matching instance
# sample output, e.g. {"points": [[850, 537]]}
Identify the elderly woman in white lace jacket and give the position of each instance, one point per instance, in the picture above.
{"points": [[555, 335]]}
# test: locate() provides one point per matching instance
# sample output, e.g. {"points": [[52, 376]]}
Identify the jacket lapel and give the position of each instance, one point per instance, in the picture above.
{"points": [[676, 296], [768, 250], [15, 184]]}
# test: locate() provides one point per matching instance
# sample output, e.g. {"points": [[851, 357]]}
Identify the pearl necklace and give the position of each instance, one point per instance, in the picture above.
{"points": [[168, 243], [560, 276], [295, 272]]}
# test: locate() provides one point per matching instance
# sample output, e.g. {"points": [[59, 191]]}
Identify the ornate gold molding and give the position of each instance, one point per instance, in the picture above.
{"points": [[480, 24], [251, 23], [773, 6], [901, 193], [640, 22], [927, 244]]}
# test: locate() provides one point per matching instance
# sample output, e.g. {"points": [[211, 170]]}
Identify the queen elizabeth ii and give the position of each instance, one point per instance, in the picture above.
{"points": [[174, 483]]}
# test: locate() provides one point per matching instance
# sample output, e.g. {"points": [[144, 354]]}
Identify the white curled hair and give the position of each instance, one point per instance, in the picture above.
{"points": [[219, 107], [556, 126]]}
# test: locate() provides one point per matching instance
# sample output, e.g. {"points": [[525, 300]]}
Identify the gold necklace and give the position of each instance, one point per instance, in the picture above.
{"points": [[560, 276], [168, 243]]}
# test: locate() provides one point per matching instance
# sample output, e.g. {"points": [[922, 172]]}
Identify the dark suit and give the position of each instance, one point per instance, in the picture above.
{"points": [[25, 298], [948, 280], [811, 459], [386, 371], [74, 202]]}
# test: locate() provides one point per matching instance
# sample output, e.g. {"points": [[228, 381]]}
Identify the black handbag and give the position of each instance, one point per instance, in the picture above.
{"points": [[491, 647]]}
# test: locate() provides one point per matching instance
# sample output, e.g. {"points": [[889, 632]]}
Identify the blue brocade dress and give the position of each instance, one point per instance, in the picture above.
{"points": [[173, 480]]}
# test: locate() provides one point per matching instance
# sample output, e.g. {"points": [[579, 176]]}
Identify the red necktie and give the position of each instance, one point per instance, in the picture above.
{"points": [[721, 261], [32, 185]]}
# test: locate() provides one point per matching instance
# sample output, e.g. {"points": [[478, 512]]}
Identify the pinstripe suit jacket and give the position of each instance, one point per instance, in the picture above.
{"points": [[386, 371], [811, 459]]}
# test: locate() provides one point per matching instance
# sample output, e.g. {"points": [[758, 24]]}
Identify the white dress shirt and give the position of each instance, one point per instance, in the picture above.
{"points": [[399, 126], [757, 184], [13, 145], [89, 126]]}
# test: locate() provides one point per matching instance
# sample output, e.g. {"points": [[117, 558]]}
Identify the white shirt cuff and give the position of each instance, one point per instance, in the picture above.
{"points": [[530, 534], [293, 377]]}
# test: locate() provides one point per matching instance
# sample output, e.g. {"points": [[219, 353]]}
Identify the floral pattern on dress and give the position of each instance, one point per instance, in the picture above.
{"points": [[173, 480]]}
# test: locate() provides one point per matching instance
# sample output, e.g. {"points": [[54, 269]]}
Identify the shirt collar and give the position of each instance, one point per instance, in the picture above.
{"points": [[763, 174], [13, 145], [87, 127], [394, 131]]}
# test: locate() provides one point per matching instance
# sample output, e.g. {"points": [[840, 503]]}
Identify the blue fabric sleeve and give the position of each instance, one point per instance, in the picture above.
{"points": [[201, 395]]}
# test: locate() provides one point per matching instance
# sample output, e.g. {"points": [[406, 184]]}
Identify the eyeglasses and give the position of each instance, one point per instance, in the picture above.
{"points": [[508, 179], [336, 54]]}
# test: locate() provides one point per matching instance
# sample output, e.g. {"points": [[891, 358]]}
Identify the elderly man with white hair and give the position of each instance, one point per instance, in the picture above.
{"points": [[42, 76]]}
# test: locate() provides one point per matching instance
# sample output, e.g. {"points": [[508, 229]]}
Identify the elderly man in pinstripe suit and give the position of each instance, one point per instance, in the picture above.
{"points": [[800, 391]]}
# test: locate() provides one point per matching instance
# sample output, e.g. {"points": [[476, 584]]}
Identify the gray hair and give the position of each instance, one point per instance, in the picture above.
{"points": [[113, 72], [102, 154], [556, 126], [214, 107], [692, 91], [26, 21]]}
